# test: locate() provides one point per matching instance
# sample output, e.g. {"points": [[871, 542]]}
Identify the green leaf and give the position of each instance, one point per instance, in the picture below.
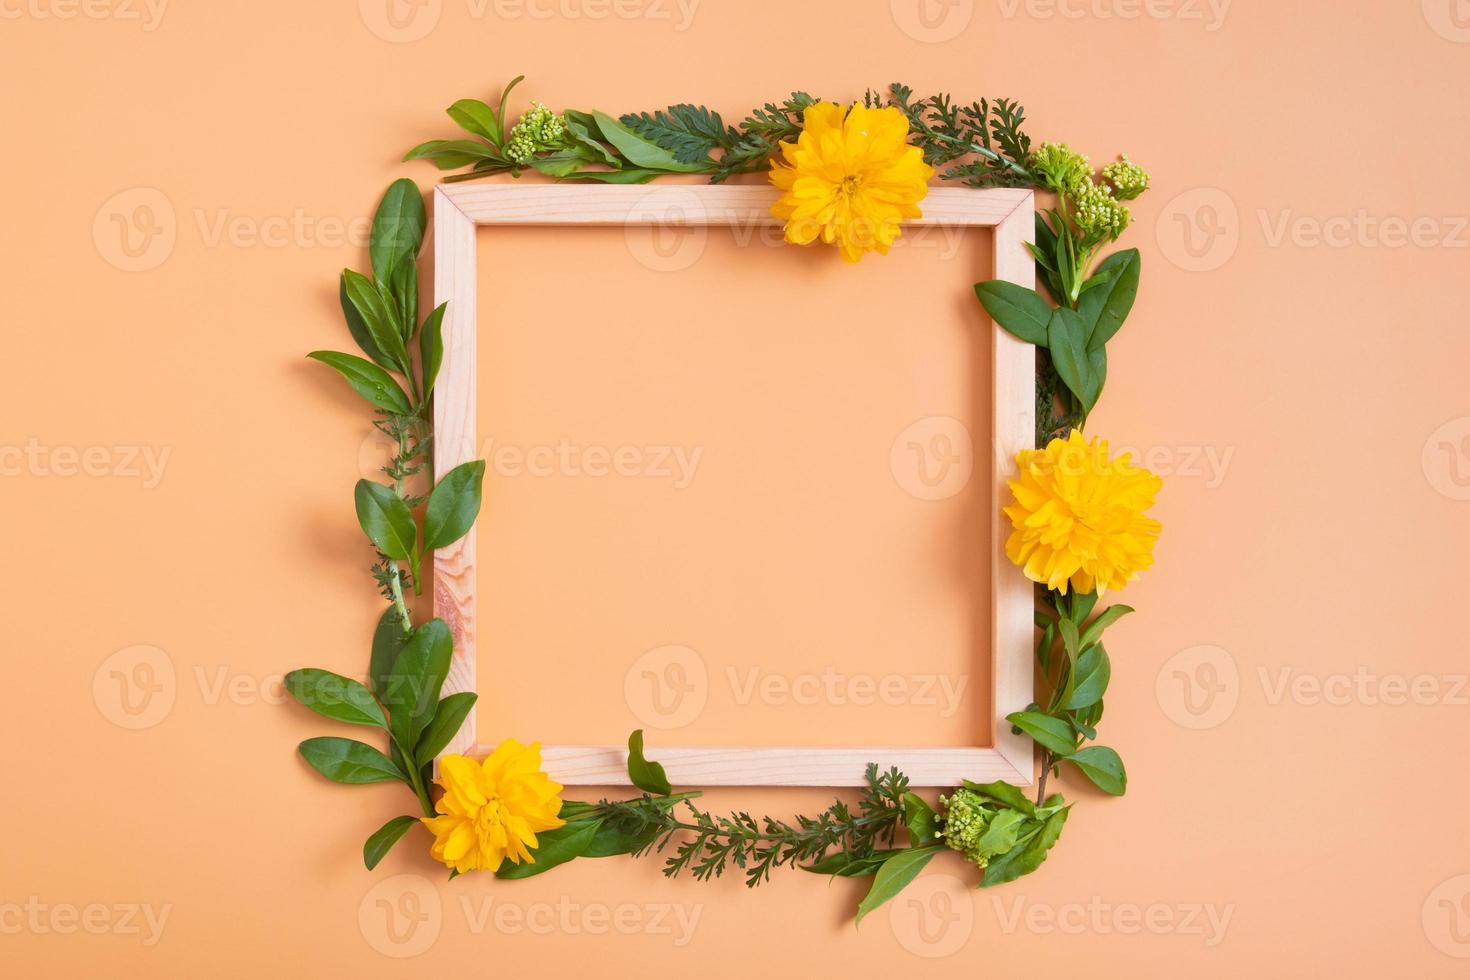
{"points": [[1001, 834], [1043, 251], [357, 326], [554, 848], [403, 289], [450, 154], [388, 641], [894, 876], [920, 819], [385, 518], [1019, 310], [379, 317], [1003, 793], [561, 164], [586, 137], [1081, 369], [1108, 617], [1102, 765], [641, 152], [336, 697], [1028, 855], [431, 347], [453, 505], [476, 117], [631, 175], [1070, 640], [398, 228], [1104, 307], [1091, 676], [1082, 606], [416, 680], [443, 725], [381, 842], [1051, 733], [367, 379], [690, 132], [647, 776], [344, 761], [846, 865], [500, 111], [610, 841]]}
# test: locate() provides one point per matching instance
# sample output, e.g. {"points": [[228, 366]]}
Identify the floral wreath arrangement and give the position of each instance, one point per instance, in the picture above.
{"points": [[849, 174]]}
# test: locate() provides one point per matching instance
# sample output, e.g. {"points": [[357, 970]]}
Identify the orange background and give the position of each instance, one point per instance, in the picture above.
{"points": [[1288, 699]]}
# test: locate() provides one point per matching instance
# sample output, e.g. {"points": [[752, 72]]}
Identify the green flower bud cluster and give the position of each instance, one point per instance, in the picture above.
{"points": [[976, 828], [1128, 179], [539, 130], [1097, 213], [1060, 167]]}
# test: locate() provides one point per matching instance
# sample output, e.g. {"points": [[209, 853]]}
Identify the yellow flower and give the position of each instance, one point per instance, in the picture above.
{"points": [[1078, 516], [492, 810], [849, 178]]}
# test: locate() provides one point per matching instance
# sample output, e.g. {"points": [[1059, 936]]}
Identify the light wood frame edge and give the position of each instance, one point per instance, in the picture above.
{"points": [[460, 208]]}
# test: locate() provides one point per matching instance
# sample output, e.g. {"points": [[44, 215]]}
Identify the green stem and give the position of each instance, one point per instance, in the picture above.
{"points": [[415, 780], [398, 600]]}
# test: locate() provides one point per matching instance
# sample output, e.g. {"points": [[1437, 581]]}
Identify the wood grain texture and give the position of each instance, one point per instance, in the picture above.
{"points": [[746, 205], [454, 438], [606, 765], [1012, 603], [459, 208]]}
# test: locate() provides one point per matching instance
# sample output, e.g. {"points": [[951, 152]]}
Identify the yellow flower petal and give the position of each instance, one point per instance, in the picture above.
{"points": [[1077, 516], [491, 810], [849, 179]]}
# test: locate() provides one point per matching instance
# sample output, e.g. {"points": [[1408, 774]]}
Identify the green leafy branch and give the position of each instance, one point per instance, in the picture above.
{"points": [[1075, 665], [842, 840], [408, 664]]}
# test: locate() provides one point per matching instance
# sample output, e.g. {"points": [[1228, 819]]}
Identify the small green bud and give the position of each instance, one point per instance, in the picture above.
{"points": [[1097, 213], [1128, 179], [1059, 166], [538, 131]]}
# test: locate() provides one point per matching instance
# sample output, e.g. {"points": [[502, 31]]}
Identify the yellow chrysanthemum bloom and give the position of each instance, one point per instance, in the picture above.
{"points": [[492, 810], [1078, 516], [849, 178]]}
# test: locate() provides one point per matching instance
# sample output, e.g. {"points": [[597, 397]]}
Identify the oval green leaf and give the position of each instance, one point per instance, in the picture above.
{"points": [[1103, 766], [336, 697], [1019, 310], [367, 379], [647, 776], [344, 761], [381, 842], [895, 875], [453, 505], [443, 725], [385, 519], [1052, 733]]}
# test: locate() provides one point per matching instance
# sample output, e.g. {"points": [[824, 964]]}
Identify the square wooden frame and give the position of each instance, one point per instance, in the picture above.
{"points": [[460, 209]]}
